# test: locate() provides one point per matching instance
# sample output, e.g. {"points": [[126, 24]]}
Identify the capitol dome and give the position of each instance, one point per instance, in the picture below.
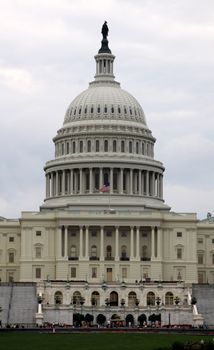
{"points": [[104, 152]]}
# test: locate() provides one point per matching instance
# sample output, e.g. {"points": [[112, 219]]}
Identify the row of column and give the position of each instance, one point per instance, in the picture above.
{"points": [[156, 243], [90, 180]]}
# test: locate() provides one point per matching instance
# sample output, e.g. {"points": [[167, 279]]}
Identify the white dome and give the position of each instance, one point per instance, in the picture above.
{"points": [[105, 101]]}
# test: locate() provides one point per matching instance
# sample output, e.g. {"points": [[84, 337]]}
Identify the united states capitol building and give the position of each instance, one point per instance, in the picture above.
{"points": [[104, 241]]}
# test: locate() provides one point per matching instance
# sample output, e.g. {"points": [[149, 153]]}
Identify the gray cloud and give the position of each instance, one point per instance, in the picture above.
{"points": [[164, 56]]}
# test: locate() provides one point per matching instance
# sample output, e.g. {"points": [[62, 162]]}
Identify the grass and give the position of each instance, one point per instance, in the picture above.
{"points": [[41, 341]]}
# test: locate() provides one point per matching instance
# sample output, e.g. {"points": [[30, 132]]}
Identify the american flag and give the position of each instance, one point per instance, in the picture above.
{"points": [[105, 187]]}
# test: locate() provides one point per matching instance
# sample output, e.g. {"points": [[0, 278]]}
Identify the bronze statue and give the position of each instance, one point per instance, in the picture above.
{"points": [[104, 30]]}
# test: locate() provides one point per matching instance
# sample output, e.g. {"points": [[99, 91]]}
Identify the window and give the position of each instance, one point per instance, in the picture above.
{"points": [[123, 252], [67, 148], [81, 146], [200, 258], [73, 147], [106, 146], [150, 298], [94, 272], [105, 109], [200, 240], [93, 251], [114, 146], [89, 146], [38, 272], [11, 239], [108, 251], [108, 234], [94, 234], [58, 298], [179, 253], [169, 298], [97, 146], [63, 150], [38, 233], [73, 272], [144, 234], [124, 272], [73, 251], [38, 252], [130, 146], [122, 146], [143, 148], [179, 234], [137, 147], [11, 257]]}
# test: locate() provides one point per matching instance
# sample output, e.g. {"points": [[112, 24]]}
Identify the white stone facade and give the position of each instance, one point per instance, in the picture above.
{"points": [[104, 226]]}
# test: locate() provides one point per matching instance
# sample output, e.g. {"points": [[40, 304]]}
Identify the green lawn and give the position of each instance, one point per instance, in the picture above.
{"points": [[39, 341]]}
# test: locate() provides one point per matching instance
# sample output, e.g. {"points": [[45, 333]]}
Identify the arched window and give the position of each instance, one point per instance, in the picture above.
{"points": [[98, 109], [106, 146], [11, 256], [143, 148], [58, 297], [150, 298], [77, 298], [81, 146], [63, 148], [73, 251], [89, 146], [93, 251], [137, 147], [97, 145], [123, 252], [108, 251], [132, 299], [114, 146], [130, 146], [67, 148], [113, 299], [169, 298], [105, 109], [122, 146], [95, 298], [73, 147]]}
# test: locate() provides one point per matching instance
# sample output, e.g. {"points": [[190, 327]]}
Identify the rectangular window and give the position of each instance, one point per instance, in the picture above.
{"points": [[179, 234], [144, 234], [11, 257], [94, 234], [124, 272], [11, 239], [38, 233], [38, 252], [108, 234], [94, 272], [179, 253], [200, 240], [200, 259], [73, 272], [38, 272]]}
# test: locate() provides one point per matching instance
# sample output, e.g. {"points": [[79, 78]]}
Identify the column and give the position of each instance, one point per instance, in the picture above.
{"points": [[147, 183], [137, 242], [153, 243], [153, 183], [86, 242], [117, 243], [132, 243], [57, 184], [63, 182], [139, 182], [101, 178], [59, 242], [159, 234], [80, 181], [66, 242], [52, 185], [111, 180], [90, 181], [47, 186], [71, 181], [121, 181], [161, 186], [131, 181], [158, 176], [81, 242], [101, 243]]}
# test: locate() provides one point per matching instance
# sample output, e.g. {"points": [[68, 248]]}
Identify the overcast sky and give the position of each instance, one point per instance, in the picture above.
{"points": [[164, 57]]}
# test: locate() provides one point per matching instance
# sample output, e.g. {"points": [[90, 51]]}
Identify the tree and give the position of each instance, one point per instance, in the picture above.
{"points": [[101, 319], [77, 319], [89, 318]]}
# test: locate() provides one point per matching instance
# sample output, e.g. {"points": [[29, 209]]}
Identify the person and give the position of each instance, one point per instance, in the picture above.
{"points": [[104, 30]]}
